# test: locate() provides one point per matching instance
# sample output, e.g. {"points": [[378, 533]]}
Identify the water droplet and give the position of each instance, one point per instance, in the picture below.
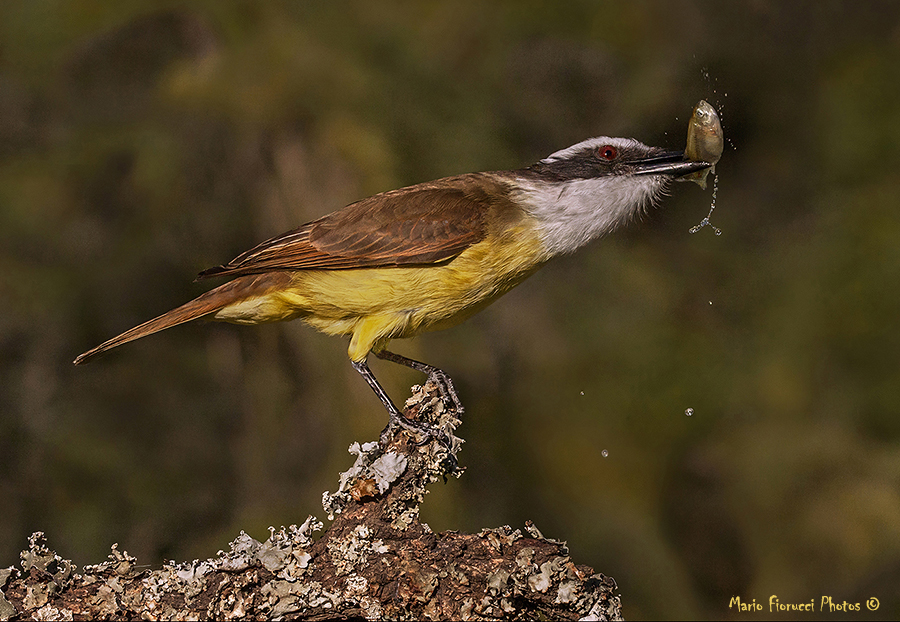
{"points": [[712, 206], [604, 453], [689, 412], [710, 302], [582, 392]]}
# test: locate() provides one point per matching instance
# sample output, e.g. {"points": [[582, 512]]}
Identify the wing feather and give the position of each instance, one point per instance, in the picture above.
{"points": [[423, 224]]}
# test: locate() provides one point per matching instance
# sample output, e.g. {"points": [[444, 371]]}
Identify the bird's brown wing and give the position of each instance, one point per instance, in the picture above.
{"points": [[422, 224]]}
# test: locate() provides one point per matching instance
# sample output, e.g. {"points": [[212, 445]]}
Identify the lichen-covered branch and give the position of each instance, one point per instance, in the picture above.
{"points": [[375, 561]]}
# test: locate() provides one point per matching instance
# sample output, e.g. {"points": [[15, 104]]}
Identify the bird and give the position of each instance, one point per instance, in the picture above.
{"points": [[428, 256]]}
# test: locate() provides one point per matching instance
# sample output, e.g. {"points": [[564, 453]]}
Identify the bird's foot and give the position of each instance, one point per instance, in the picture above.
{"points": [[416, 428], [445, 387], [435, 374], [429, 411], [423, 431]]}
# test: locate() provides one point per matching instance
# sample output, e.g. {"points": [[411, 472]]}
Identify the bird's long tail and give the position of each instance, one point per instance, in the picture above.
{"points": [[205, 304]]}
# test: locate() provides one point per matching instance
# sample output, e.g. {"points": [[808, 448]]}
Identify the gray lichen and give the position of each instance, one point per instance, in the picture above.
{"points": [[7, 610]]}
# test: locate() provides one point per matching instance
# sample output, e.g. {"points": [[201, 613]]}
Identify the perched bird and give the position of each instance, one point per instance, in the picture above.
{"points": [[428, 256]]}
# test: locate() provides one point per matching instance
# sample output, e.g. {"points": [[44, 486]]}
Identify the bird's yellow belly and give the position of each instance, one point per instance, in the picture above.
{"points": [[377, 304]]}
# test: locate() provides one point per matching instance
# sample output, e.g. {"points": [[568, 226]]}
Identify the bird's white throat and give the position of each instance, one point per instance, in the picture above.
{"points": [[572, 213]]}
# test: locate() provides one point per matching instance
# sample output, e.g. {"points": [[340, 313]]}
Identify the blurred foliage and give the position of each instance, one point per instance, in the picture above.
{"points": [[141, 142]]}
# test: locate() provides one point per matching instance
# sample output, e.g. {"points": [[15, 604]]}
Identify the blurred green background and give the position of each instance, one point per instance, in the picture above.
{"points": [[141, 142]]}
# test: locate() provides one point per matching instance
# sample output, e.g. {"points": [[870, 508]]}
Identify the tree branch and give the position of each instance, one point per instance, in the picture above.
{"points": [[376, 560]]}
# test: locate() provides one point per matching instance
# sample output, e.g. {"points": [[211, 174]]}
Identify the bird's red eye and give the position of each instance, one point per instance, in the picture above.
{"points": [[608, 152]]}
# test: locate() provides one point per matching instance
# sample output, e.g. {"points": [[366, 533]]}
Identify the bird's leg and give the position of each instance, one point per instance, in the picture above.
{"points": [[395, 416], [435, 374]]}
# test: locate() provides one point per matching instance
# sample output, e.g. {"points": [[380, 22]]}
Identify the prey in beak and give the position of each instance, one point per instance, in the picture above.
{"points": [[671, 163]]}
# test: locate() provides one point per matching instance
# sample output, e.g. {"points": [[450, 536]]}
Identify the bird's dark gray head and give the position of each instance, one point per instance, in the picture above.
{"points": [[590, 188], [604, 156]]}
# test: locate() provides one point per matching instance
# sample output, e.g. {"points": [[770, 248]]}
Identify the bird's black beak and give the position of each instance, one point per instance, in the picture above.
{"points": [[668, 163]]}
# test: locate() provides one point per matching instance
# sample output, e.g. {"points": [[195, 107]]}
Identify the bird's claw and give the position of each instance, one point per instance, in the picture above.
{"points": [[445, 387], [419, 428]]}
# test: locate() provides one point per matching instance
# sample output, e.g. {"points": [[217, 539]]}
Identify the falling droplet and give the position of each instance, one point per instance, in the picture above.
{"points": [[689, 412], [712, 206], [604, 453]]}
